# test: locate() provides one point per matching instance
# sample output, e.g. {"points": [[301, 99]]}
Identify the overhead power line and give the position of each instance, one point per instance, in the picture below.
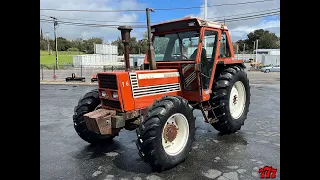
{"points": [[245, 13], [214, 5], [143, 22], [90, 25], [241, 18], [256, 16], [156, 9], [249, 18]]}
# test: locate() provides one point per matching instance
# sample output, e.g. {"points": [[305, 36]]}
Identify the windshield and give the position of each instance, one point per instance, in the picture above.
{"points": [[176, 46]]}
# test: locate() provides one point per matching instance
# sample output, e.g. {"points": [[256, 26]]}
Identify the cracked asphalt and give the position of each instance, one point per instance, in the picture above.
{"points": [[63, 155]]}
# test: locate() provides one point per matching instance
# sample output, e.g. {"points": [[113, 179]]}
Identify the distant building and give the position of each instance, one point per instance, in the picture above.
{"points": [[268, 56], [268, 51]]}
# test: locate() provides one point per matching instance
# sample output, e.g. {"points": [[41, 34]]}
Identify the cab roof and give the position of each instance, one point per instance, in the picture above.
{"points": [[186, 22]]}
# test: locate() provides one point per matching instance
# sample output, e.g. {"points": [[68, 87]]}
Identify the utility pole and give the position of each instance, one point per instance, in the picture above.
{"points": [[47, 37], [238, 49], [257, 49], [205, 18], [151, 55], [205, 9], [254, 46], [244, 49], [55, 23]]}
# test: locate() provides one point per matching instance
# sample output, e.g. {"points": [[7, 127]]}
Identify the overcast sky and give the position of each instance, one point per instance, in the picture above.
{"points": [[238, 29]]}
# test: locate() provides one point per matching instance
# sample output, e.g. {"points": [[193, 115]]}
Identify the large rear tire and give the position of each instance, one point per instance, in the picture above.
{"points": [[231, 94], [166, 135], [88, 103]]}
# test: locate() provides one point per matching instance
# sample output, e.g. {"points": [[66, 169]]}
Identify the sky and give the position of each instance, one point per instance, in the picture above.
{"points": [[217, 9]]}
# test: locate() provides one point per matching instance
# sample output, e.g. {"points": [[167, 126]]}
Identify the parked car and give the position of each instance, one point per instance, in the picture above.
{"points": [[271, 69]]}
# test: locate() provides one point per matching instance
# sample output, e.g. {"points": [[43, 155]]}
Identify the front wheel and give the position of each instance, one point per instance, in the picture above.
{"points": [[267, 71], [166, 135], [88, 103], [231, 95]]}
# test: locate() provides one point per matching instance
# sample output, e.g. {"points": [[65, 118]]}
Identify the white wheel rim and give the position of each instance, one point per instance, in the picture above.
{"points": [[178, 144], [237, 100]]}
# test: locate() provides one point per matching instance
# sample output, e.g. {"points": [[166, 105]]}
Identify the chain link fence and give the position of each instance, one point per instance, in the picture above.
{"points": [[49, 72]]}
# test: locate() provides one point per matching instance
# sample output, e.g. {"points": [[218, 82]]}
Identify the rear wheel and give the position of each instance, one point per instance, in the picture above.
{"points": [[231, 94], [267, 71], [88, 103], [166, 135]]}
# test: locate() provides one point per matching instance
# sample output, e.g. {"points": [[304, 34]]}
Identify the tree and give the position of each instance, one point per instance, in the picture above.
{"points": [[63, 44], [79, 44], [118, 43], [89, 44], [135, 45], [43, 45], [267, 39]]}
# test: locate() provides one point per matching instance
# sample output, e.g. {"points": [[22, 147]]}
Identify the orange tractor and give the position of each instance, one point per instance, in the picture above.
{"points": [[190, 65]]}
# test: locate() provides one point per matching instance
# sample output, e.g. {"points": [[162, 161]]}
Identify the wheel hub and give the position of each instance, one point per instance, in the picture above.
{"points": [[235, 99], [170, 132]]}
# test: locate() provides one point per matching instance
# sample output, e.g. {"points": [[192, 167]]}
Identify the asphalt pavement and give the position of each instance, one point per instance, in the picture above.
{"points": [[64, 155]]}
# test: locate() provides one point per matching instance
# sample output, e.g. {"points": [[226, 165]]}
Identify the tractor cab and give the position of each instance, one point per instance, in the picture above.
{"points": [[192, 44]]}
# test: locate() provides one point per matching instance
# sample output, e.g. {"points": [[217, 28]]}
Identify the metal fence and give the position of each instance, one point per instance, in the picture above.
{"points": [[49, 72]]}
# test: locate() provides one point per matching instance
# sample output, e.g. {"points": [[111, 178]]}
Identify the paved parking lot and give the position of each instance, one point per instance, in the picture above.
{"points": [[63, 155]]}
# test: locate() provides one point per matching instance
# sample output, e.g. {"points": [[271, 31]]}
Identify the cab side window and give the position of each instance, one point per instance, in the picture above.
{"points": [[224, 46]]}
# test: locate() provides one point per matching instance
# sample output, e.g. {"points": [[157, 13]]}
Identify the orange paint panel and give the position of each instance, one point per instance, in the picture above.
{"points": [[155, 71], [125, 92], [143, 102], [154, 79], [158, 81], [191, 95]]}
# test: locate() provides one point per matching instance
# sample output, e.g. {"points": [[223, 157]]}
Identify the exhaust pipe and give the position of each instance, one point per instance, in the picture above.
{"points": [[151, 55], [125, 36]]}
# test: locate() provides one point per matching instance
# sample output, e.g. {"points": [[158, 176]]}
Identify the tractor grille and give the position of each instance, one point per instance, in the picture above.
{"points": [[108, 81], [112, 104]]}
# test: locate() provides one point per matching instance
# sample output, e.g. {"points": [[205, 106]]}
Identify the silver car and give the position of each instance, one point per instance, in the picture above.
{"points": [[271, 69]]}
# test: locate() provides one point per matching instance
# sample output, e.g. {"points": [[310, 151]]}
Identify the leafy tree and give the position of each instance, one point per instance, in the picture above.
{"points": [[267, 40], [63, 44], [118, 43], [89, 44], [43, 45], [79, 44], [135, 45]]}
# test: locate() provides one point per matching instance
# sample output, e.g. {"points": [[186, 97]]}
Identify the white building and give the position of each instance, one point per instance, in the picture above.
{"points": [[268, 56], [268, 51]]}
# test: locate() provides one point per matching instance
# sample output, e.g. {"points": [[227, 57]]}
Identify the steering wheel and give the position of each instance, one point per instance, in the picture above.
{"points": [[184, 57], [176, 56]]}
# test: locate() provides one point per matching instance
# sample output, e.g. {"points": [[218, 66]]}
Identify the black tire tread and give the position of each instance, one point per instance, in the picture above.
{"points": [[147, 131], [220, 89], [87, 104]]}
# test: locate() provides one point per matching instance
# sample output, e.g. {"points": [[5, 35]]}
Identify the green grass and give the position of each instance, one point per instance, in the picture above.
{"points": [[64, 57]]}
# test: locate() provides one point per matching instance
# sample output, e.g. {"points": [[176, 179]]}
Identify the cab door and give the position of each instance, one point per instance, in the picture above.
{"points": [[206, 60]]}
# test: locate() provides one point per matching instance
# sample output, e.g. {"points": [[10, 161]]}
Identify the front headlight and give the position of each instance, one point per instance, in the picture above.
{"points": [[103, 93], [115, 95]]}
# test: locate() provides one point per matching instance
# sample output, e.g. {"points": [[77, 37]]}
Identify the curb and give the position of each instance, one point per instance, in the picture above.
{"points": [[69, 83]]}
